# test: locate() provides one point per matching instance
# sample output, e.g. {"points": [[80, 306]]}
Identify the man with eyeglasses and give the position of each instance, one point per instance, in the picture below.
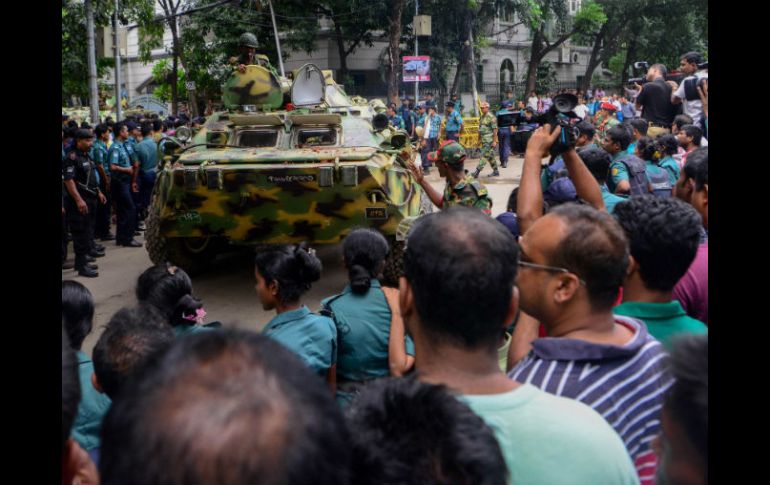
{"points": [[573, 262]]}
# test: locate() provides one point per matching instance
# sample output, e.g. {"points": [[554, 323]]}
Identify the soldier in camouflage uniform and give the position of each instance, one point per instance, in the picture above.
{"points": [[605, 119], [461, 188], [488, 137]]}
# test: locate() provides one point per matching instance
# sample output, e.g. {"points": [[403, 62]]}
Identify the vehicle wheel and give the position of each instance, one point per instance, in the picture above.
{"points": [[192, 254]]}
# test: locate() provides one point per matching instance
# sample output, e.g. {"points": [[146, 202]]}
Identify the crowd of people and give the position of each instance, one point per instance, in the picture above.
{"points": [[108, 174], [564, 341]]}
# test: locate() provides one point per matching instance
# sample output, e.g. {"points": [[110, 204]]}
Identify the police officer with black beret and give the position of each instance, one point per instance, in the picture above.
{"points": [[80, 180]]}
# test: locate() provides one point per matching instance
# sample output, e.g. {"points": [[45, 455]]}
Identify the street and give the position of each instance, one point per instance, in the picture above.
{"points": [[227, 289]]}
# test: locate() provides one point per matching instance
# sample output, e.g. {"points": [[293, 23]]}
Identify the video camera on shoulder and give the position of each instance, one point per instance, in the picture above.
{"points": [[639, 66], [561, 113], [691, 85]]}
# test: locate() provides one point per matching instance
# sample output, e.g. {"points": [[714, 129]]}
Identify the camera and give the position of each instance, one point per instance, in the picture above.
{"points": [[561, 113], [690, 88]]}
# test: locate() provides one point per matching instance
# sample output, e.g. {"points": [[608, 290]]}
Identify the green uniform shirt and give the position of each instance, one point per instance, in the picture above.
{"points": [[538, 433], [363, 330], [487, 127], [120, 155], [618, 170], [92, 408], [312, 337], [468, 192], [673, 169], [148, 155], [663, 320], [610, 199]]}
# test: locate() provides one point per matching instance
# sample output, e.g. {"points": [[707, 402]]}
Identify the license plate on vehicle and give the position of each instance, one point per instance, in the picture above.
{"points": [[376, 213]]}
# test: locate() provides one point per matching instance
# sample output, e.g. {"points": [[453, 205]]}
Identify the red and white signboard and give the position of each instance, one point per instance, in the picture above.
{"points": [[416, 68]]}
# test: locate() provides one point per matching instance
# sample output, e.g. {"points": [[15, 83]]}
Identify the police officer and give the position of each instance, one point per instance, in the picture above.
{"points": [[123, 183], [488, 137], [461, 188], [99, 156], [505, 129], [454, 122], [79, 174], [395, 120]]}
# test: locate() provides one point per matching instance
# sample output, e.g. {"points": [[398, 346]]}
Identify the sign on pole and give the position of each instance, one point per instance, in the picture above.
{"points": [[190, 85], [416, 68]]}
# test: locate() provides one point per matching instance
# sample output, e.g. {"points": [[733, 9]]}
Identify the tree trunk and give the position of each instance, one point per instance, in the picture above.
{"points": [[394, 51], [343, 74], [593, 60], [459, 71], [472, 64], [174, 66], [630, 54], [534, 59]]}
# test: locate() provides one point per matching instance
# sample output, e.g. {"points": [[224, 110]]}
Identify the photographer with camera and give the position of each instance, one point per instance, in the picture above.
{"points": [[696, 69], [655, 101]]}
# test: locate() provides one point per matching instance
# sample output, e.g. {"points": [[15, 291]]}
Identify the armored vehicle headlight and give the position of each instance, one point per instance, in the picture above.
{"points": [[350, 175], [326, 176], [184, 134]]}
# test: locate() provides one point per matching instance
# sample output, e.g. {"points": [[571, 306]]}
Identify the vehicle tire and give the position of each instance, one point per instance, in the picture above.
{"points": [[192, 254]]}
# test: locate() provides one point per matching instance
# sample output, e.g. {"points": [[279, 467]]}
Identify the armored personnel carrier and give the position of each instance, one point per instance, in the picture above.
{"points": [[287, 162]]}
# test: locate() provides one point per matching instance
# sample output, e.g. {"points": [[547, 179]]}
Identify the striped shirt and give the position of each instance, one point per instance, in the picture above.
{"points": [[626, 385], [434, 126]]}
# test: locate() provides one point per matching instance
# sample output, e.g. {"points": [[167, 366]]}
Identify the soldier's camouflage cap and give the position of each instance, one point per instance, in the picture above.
{"points": [[449, 152]]}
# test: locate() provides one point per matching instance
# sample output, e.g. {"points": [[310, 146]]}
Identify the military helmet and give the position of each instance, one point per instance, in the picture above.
{"points": [[449, 152], [249, 40]]}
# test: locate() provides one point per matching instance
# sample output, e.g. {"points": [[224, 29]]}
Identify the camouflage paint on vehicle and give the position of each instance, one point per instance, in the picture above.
{"points": [[286, 193]]}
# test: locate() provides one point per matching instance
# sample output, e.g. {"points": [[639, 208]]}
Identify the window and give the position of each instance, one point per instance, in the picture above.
{"points": [[574, 6], [258, 139], [316, 137], [506, 72], [507, 16]]}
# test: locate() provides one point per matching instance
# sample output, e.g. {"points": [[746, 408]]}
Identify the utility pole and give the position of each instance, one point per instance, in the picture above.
{"points": [[93, 93], [416, 51], [277, 40], [116, 43]]}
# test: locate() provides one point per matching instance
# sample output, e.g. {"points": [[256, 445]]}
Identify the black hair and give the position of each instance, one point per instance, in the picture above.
{"points": [[513, 200], [697, 167], [100, 130], [294, 268], [70, 388], [225, 407], [586, 128], [185, 311], [156, 124], [647, 149], [663, 236], [119, 127], [598, 162], [529, 110], [163, 286], [69, 132], [146, 129], [407, 432], [364, 250], [692, 57], [72, 124], [661, 68], [461, 265], [667, 144], [595, 248], [131, 336], [77, 310], [694, 132], [639, 124], [619, 134], [84, 124], [681, 120], [687, 401]]}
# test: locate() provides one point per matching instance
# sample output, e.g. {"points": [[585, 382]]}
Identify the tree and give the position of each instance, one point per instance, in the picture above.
{"points": [[161, 74], [171, 8], [396, 7], [552, 25]]}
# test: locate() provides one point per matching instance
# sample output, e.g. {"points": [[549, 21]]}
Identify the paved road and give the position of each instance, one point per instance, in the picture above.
{"points": [[227, 289]]}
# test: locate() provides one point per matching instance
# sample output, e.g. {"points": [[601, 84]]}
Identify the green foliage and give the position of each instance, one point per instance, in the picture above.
{"points": [[161, 74], [546, 78]]}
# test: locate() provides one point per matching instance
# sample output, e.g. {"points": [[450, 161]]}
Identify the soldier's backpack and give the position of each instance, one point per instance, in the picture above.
{"points": [[659, 181], [637, 174]]}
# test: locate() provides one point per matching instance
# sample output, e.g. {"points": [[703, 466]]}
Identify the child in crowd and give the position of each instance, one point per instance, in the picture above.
{"points": [[372, 341], [283, 275], [168, 289], [77, 316]]}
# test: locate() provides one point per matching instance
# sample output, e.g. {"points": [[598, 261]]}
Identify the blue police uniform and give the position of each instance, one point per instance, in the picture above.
{"points": [[610, 199], [122, 156], [504, 132], [312, 337], [102, 223], [452, 128], [147, 153], [363, 330]]}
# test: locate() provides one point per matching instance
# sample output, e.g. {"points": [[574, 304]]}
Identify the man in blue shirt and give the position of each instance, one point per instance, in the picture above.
{"points": [[430, 137], [123, 182], [454, 122], [147, 152]]}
